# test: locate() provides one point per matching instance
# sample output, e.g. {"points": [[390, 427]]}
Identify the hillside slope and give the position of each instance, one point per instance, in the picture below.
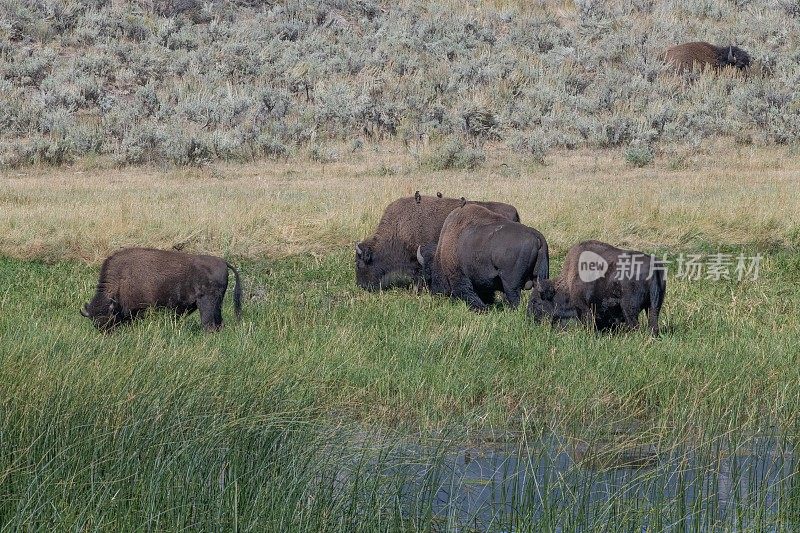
{"points": [[183, 81]]}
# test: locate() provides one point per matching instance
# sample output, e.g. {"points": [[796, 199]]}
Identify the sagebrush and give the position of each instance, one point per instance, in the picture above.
{"points": [[189, 82]]}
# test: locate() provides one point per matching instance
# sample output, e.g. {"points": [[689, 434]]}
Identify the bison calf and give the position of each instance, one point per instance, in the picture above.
{"points": [[480, 252], [604, 287], [684, 56], [388, 258], [133, 279]]}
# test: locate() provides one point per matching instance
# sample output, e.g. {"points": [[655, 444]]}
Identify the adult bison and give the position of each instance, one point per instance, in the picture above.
{"points": [[603, 286], [388, 258], [683, 57], [480, 252], [133, 279]]}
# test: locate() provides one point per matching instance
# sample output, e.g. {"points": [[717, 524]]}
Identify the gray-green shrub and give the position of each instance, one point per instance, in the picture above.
{"points": [[232, 74]]}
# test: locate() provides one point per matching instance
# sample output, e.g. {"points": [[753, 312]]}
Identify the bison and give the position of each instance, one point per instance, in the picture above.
{"points": [[603, 286], [388, 258], [683, 56], [133, 279], [480, 252]]}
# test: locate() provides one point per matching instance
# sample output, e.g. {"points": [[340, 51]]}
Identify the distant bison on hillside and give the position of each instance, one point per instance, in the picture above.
{"points": [[389, 257], [133, 279], [683, 57]]}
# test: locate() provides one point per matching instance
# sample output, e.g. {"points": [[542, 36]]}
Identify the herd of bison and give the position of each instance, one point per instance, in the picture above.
{"points": [[465, 250], [472, 250], [454, 247]]}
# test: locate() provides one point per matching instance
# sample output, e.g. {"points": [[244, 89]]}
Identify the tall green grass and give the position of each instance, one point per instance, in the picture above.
{"points": [[298, 416]]}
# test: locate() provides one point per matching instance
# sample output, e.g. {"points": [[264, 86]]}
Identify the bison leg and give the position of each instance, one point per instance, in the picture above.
{"points": [[630, 310], [658, 287], [487, 296], [652, 322], [512, 291], [211, 311], [513, 296], [466, 292], [652, 319]]}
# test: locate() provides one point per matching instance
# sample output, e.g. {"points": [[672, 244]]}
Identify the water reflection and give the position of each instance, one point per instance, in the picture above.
{"points": [[571, 483]]}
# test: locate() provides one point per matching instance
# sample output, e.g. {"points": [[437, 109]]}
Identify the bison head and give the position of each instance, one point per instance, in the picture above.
{"points": [[104, 313], [549, 302], [382, 267], [733, 56]]}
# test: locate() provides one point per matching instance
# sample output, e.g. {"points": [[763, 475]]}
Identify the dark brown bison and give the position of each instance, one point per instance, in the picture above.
{"points": [[480, 252], [133, 279], [603, 286], [683, 57], [389, 257]]}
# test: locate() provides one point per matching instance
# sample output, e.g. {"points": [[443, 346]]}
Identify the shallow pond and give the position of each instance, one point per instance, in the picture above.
{"points": [[563, 484]]}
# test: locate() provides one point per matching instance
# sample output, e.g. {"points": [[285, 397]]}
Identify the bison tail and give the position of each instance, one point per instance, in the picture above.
{"points": [[543, 261], [658, 289], [237, 292]]}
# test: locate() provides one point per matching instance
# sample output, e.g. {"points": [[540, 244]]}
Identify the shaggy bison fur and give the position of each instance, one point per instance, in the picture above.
{"points": [[134, 279], [683, 57], [602, 297], [480, 252], [388, 258]]}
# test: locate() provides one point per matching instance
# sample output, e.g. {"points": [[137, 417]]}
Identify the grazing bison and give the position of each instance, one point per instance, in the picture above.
{"points": [[683, 56], [604, 287], [133, 279], [480, 252], [388, 258]]}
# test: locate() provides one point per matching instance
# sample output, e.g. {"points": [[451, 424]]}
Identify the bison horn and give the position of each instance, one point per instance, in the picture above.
{"points": [[438, 194], [417, 197], [419, 256], [359, 252], [84, 312], [463, 201], [730, 53]]}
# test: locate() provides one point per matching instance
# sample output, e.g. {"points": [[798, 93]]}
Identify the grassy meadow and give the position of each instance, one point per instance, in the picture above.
{"points": [[274, 134], [295, 417]]}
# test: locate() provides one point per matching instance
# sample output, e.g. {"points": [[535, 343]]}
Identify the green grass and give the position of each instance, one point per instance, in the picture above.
{"points": [[162, 426], [729, 350]]}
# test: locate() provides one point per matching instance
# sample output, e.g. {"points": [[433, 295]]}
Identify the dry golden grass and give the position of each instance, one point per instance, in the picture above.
{"points": [[721, 196]]}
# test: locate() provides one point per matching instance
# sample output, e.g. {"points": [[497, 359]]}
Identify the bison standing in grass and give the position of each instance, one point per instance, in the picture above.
{"points": [[388, 258], [603, 286], [480, 252], [683, 57], [134, 279]]}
